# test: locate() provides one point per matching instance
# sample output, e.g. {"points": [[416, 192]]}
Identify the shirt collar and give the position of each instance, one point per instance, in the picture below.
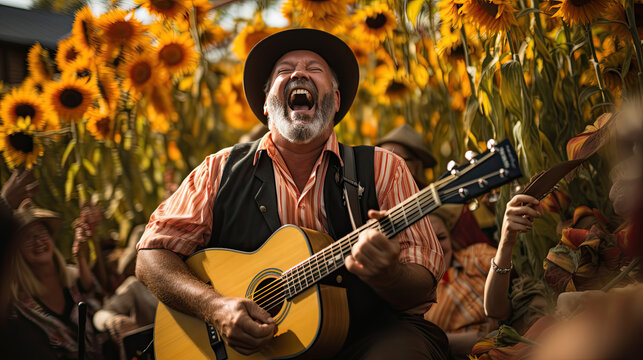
{"points": [[266, 144]]}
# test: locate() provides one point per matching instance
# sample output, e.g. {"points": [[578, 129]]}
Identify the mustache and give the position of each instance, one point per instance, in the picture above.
{"points": [[305, 83]]}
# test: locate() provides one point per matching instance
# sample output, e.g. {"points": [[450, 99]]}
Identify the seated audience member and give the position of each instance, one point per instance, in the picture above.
{"points": [[407, 144], [132, 306], [459, 310], [518, 218], [47, 291]]}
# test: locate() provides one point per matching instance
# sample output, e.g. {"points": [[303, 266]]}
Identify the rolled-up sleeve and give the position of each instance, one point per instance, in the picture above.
{"points": [[394, 184], [183, 222]]}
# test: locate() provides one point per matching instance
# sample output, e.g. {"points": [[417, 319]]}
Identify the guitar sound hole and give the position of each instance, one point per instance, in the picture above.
{"points": [[269, 294]]}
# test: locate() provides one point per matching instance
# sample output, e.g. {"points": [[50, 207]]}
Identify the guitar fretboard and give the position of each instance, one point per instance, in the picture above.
{"points": [[318, 266]]}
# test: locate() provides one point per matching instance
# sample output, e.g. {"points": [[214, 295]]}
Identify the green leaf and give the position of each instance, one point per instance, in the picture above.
{"points": [[89, 167], [413, 8], [510, 86], [69, 182], [68, 150]]}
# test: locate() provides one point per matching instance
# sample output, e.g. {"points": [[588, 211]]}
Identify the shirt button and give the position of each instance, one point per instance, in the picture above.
{"points": [[262, 209]]}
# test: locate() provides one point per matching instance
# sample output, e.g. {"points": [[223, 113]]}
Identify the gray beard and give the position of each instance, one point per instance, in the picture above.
{"points": [[300, 129]]}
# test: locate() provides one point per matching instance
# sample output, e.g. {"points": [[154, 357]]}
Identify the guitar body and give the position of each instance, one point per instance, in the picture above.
{"points": [[313, 324]]}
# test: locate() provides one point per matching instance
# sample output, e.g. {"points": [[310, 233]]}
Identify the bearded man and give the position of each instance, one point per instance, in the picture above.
{"points": [[301, 82]]}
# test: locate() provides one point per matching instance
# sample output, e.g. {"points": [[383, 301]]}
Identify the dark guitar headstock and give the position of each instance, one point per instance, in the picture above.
{"points": [[491, 169]]}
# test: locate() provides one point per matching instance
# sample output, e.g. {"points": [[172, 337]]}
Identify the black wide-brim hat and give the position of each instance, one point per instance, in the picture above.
{"points": [[264, 55]]}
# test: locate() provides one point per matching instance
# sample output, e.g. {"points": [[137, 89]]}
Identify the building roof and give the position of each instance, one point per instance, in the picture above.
{"points": [[25, 27]]}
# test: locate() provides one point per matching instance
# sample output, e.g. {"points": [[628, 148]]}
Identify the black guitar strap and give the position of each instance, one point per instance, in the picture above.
{"points": [[353, 190]]}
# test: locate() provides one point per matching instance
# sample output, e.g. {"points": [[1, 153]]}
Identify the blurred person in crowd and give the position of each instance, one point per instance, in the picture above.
{"points": [[459, 310], [47, 290], [407, 143], [131, 306]]}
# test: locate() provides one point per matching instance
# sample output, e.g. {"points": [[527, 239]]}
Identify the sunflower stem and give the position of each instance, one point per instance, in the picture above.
{"points": [[82, 196], [631, 19], [467, 59], [597, 69]]}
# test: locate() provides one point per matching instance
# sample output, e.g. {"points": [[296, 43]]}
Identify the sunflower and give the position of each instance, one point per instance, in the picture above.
{"points": [[36, 85], [39, 63], [581, 11], [201, 8], [140, 72], [394, 87], [160, 98], [451, 46], [120, 28], [490, 16], [100, 122], [67, 52], [85, 32], [249, 37], [616, 14], [167, 9], [107, 86], [450, 12], [288, 9], [360, 52], [159, 122], [23, 103], [328, 21], [211, 35], [312, 8], [374, 23], [81, 68], [19, 145], [176, 53], [230, 96], [615, 76], [70, 98]]}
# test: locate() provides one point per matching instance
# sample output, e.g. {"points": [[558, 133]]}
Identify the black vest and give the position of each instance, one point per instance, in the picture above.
{"points": [[245, 214]]}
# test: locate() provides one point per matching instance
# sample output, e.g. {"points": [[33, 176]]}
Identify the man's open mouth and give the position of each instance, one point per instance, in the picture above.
{"points": [[300, 99]]}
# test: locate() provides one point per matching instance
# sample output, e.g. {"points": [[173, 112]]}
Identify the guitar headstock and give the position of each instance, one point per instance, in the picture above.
{"points": [[491, 169]]}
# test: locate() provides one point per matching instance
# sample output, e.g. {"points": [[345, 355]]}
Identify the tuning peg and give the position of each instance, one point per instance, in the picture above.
{"points": [[451, 167], [491, 145], [463, 192], [482, 183], [470, 156]]}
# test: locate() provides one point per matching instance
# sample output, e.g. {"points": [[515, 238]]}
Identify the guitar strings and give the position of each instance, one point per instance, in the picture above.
{"points": [[397, 213]]}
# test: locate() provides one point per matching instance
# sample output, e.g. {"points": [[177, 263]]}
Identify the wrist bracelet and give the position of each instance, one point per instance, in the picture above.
{"points": [[501, 270]]}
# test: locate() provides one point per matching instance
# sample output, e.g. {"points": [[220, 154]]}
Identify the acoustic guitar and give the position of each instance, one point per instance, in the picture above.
{"points": [[283, 275]]}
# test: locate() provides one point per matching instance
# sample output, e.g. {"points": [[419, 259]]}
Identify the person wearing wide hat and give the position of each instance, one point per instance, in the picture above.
{"points": [[46, 290], [407, 143], [300, 83]]}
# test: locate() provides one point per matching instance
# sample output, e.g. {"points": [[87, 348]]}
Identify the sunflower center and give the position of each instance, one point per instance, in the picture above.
{"points": [[103, 125], [121, 30], [163, 4], [376, 22], [71, 54], [580, 3], [71, 98], [492, 9], [171, 54], [21, 142], [141, 73], [24, 110], [83, 73], [396, 87]]}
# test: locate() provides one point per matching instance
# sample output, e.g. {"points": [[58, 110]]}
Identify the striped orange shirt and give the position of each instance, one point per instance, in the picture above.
{"points": [[461, 291], [183, 222]]}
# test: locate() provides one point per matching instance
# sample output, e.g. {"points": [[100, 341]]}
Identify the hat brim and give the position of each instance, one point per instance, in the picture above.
{"points": [[264, 55]]}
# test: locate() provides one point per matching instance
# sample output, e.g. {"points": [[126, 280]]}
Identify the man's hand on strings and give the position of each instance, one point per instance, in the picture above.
{"points": [[374, 258], [243, 324]]}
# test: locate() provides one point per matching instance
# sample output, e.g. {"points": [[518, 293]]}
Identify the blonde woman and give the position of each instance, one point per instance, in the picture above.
{"points": [[47, 290]]}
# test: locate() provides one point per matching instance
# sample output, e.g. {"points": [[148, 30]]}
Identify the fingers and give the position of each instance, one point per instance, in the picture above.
{"points": [[373, 254], [522, 198], [258, 313], [376, 214], [523, 211]]}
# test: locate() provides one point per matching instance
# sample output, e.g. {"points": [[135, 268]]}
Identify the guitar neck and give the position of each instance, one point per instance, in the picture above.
{"points": [[312, 270]]}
